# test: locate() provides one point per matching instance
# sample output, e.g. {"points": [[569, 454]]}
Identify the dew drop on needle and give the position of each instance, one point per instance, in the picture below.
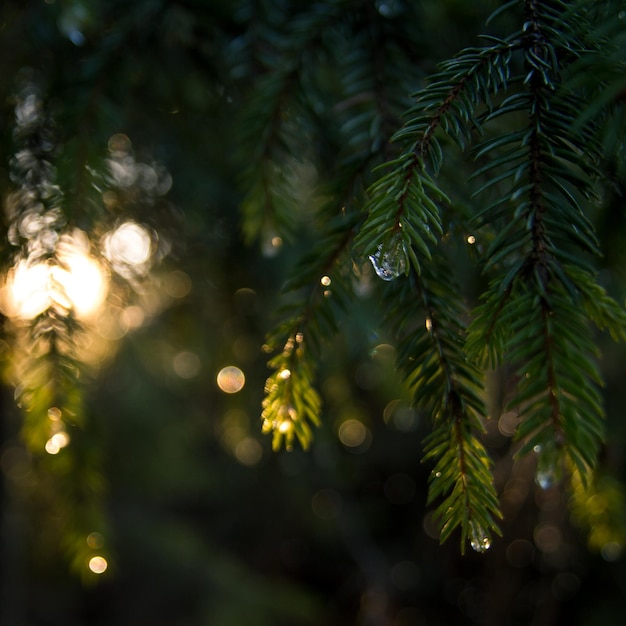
{"points": [[389, 261], [479, 540]]}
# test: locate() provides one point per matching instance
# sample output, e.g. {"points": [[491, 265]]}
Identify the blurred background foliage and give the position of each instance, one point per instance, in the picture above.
{"points": [[171, 479]]}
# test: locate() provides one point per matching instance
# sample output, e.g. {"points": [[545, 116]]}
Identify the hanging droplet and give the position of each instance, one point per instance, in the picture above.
{"points": [[548, 472], [389, 262], [479, 539], [545, 476]]}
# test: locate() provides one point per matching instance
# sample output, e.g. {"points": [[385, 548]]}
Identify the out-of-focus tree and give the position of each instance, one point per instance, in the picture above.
{"points": [[195, 188]]}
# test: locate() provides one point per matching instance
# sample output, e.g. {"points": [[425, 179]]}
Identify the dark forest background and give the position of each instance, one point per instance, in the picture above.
{"points": [[205, 524]]}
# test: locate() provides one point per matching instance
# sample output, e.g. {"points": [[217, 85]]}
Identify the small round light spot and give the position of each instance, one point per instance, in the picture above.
{"points": [[61, 439], [119, 144], [231, 379], [52, 447], [187, 364], [95, 540], [248, 451], [611, 551], [56, 442], [471, 240], [325, 280], [98, 564], [177, 284], [352, 433], [54, 413], [285, 426]]}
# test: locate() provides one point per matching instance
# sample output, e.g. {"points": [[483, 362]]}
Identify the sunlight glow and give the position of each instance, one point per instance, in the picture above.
{"points": [[73, 282], [27, 290], [83, 283]]}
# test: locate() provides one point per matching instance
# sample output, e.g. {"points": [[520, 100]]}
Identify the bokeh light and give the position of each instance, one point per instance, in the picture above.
{"points": [[26, 291], [547, 537], [401, 415], [54, 413], [231, 379], [57, 442], [119, 145], [177, 284], [83, 283], [132, 317], [186, 364], [128, 248], [98, 564], [74, 282], [271, 244], [95, 540], [248, 451], [355, 435]]}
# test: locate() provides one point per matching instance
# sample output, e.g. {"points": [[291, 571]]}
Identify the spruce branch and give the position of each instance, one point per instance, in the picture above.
{"points": [[45, 334], [404, 202], [275, 125], [448, 388], [532, 315], [539, 177], [291, 404], [369, 103]]}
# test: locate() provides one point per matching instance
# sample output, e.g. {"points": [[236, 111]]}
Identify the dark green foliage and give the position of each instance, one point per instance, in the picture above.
{"points": [[535, 136], [448, 388], [341, 145], [45, 367]]}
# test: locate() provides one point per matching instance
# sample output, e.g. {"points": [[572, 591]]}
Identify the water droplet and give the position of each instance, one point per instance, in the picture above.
{"points": [[545, 477], [389, 262], [479, 539], [548, 471]]}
